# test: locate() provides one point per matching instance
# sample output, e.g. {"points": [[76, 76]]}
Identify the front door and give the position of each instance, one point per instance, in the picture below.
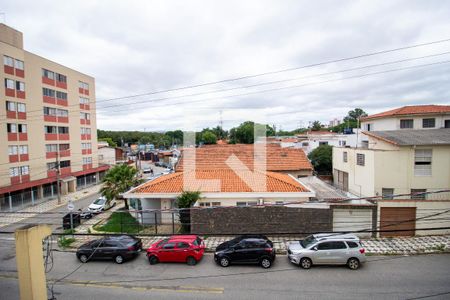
{"points": [[166, 252]]}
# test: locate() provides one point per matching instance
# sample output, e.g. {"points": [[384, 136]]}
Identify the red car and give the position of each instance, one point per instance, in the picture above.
{"points": [[180, 248]]}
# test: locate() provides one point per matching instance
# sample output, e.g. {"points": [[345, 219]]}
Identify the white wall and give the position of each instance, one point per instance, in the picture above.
{"points": [[393, 123]]}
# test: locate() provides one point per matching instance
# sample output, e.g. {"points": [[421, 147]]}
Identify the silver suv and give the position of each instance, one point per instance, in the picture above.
{"points": [[327, 249]]}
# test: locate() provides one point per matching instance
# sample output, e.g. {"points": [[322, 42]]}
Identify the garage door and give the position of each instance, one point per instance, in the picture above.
{"points": [[352, 220], [398, 218]]}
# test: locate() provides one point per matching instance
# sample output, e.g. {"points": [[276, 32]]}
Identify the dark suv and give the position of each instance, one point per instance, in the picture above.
{"points": [[246, 251], [118, 248]]}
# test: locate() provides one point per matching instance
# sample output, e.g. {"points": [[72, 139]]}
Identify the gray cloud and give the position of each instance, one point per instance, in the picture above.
{"points": [[133, 47]]}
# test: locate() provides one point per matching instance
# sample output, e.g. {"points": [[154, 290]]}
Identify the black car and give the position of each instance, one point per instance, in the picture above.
{"points": [[119, 248], [246, 251], [240, 238]]}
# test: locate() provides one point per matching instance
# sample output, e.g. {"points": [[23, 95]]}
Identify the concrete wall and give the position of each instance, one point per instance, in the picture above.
{"points": [[264, 220], [424, 208]]}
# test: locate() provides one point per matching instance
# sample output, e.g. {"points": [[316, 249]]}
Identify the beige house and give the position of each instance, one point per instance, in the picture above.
{"points": [[395, 162], [48, 115]]}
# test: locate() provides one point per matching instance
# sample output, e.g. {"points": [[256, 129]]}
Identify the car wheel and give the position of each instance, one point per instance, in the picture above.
{"points": [[119, 259], [305, 263], [153, 260], [224, 262], [191, 261], [353, 263], [83, 258], [266, 263]]}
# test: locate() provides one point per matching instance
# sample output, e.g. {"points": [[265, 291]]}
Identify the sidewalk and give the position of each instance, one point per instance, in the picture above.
{"points": [[9, 218], [376, 246]]}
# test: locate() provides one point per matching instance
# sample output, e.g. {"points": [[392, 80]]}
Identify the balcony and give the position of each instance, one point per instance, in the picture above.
{"points": [[12, 136], [65, 171], [15, 179], [87, 167], [63, 136], [11, 114], [51, 173], [62, 85], [23, 136], [51, 136], [62, 102], [63, 120], [64, 153], [8, 70], [20, 73], [25, 178], [20, 94], [50, 155], [88, 122], [10, 92], [86, 151], [48, 81], [13, 158], [22, 115], [24, 157], [48, 118], [48, 99], [82, 121]]}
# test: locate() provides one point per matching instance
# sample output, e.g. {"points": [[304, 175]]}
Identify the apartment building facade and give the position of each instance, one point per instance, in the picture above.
{"points": [[48, 125]]}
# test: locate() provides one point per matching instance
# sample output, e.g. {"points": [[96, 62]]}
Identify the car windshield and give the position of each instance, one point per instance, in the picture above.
{"points": [[309, 240], [99, 201], [197, 242]]}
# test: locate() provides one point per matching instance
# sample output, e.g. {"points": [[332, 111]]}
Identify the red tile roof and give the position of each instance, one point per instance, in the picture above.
{"points": [[230, 182], [277, 158], [410, 110]]}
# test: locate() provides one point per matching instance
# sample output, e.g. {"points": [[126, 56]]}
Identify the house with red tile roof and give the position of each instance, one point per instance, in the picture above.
{"points": [[292, 161], [409, 117]]}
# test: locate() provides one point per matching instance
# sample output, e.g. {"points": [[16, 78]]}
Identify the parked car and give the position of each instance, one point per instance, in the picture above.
{"points": [[182, 248], [240, 238], [118, 248], [85, 214], [327, 249], [249, 250], [146, 170], [100, 205]]}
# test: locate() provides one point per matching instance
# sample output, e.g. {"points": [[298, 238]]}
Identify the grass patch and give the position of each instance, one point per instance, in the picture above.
{"points": [[120, 222], [65, 242]]}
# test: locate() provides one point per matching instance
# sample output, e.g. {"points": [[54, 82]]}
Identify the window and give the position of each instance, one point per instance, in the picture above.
{"points": [[352, 244], [13, 172], [63, 130], [10, 106], [50, 129], [64, 164], [19, 64], [407, 123], [49, 111], [342, 143], [20, 86], [62, 113], [61, 95], [324, 246], [387, 193], [215, 203], [429, 123], [61, 78], [48, 74], [87, 160], [169, 246], [182, 245], [23, 149], [447, 124], [332, 246], [48, 92], [51, 148], [368, 127], [323, 143], [21, 107], [360, 159], [12, 150], [345, 156], [9, 84], [84, 100], [11, 128], [83, 85], [418, 195], [204, 204], [51, 166], [24, 170], [305, 144], [22, 128], [8, 61], [64, 147], [422, 162]]}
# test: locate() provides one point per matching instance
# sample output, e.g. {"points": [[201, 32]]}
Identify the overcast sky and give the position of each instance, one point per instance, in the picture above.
{"points": [[138, 47]]}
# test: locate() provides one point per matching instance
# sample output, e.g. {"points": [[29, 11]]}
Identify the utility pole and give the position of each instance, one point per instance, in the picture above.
{"points": [[58, 169]]}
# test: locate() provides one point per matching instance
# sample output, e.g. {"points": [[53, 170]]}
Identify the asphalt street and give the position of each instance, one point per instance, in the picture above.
{"points": [[388, 277], [52, 217]]}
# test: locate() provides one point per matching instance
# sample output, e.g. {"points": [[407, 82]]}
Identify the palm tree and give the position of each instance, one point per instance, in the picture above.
{"points": [[118, 180]]}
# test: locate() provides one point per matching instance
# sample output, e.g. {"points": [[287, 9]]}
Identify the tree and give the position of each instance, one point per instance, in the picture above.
{"points": [[208, 137], [109, 140], [118, 180], [321, 158], [185, 201], [316, 126], [244, 133], [355, 114]]}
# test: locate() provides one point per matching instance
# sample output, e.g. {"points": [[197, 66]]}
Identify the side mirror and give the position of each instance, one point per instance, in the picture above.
{"points": [[315, 248]]}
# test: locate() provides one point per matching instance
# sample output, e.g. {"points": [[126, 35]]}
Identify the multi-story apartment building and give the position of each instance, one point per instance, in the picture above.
{"points": [[48, 125]]}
